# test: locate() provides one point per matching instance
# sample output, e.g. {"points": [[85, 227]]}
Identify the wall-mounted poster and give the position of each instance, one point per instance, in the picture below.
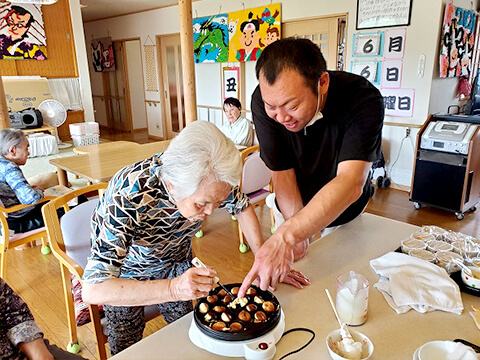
{"points": [[102, 55], [210, 38], [398, 102], [230, 82], [22, 33], [392, 73], [370, 70], [383, 13], [394, 44], [367, 44], [457, 41], [252, 30]]}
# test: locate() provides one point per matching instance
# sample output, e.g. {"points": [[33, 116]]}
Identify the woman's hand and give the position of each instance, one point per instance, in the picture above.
{"points": [[296, 279], [193, 284]]}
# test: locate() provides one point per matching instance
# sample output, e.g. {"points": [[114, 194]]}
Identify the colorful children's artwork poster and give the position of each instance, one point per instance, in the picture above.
{"points": [[457, 41], [210, 38], [22, 32], [103, 58], [252, 30]]}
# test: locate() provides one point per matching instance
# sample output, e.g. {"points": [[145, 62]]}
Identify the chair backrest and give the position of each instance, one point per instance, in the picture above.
{"points": [[255, 174], [75, 226], [70, 236]]}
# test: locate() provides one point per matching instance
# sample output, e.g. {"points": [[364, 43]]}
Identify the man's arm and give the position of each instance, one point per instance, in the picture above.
{"points": [[35, 350], [275, 258], [290, 202], [251, 228], [287, 192], [193, 284]]}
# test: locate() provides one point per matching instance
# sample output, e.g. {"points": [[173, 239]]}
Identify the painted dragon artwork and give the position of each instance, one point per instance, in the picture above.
{"points": [[210, 36]]}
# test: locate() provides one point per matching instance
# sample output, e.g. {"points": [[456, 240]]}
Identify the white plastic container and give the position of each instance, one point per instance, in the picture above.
{"points": [[85, 140], [84, 128]]}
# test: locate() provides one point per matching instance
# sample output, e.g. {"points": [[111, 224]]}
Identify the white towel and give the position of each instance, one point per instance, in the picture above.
{"points": [[408, 282]]}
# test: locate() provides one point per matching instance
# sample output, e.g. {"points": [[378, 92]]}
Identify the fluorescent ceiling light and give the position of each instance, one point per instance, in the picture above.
{"points": [[39, 2]]}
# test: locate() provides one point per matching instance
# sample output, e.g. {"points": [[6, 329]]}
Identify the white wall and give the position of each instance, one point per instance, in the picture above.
{"points": [[133, 54], [82, 62], [422, 38]]}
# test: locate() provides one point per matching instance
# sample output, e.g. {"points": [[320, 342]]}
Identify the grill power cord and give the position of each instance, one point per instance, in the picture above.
{"points": [[301, 348]]}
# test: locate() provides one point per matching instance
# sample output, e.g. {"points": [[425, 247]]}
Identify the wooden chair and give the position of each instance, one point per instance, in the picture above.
{"points": [[72, 254], [71, 245], [256, 177], [9, 242]]}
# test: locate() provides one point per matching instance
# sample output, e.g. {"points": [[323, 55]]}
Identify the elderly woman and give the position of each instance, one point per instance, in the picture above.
{"points": [[237, 128], [14, 188], [142, 230]]}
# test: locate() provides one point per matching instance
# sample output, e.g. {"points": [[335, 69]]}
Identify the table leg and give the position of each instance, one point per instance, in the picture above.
{"points": [[62, 177]]}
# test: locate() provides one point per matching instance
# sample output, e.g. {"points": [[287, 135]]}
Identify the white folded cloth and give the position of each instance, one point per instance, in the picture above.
{"points": [[408, 282]]}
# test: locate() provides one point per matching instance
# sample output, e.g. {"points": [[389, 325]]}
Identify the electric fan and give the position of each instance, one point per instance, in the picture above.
{"points": [[54, 114]]}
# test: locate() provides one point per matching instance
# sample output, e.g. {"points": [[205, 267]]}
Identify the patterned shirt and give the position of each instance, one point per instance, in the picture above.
{"points": [[14, 188], [16, 324], [137, 230]]}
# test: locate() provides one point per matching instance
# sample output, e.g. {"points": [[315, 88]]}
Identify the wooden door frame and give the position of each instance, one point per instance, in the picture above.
{"points": [[128, 125], [323, 17], [161, 79]]}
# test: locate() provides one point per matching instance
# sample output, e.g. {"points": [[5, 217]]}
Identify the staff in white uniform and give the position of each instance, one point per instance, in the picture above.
{"points": [[237, 128]]}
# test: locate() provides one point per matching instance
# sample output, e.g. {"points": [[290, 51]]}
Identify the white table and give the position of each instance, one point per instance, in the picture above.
{"points": [[351, 247]]}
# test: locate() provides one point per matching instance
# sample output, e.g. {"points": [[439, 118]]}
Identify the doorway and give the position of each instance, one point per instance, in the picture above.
{"points": [[326, 32], [171, 78], [124, 92]]}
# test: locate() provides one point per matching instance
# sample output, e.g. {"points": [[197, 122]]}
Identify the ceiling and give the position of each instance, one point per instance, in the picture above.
{"points": [[100, 9]]}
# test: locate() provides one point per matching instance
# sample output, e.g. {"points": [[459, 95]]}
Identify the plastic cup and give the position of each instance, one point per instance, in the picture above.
{"points": [[352, 298]]}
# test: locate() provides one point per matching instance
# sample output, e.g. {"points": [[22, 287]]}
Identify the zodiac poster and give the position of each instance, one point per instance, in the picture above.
{"points": [[210, 38], [457, 41], [102, 55], [22, 32], [252, 30]]}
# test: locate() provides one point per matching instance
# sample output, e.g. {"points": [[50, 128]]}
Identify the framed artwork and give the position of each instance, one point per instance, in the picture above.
{"points": [[385, 13], [253, 29], [231, 77], [103, 55], [22, 32], [394, 44], [458, 38], [392, 73], [368, 44], [210, 38], [370, 70]]}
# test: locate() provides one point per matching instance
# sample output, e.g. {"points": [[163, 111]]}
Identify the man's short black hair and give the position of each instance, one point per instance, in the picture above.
{"points": [[301, 55], [232, 102]]}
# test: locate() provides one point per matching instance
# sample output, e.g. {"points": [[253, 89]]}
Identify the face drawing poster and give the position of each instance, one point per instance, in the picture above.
{"points": [[210, 39], [252, 30], [457, 41], [22, 33], [103, 58]]}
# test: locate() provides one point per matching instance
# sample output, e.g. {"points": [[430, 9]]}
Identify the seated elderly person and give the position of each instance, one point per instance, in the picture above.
{"points": [[237, 128], [14, 188], [143, 225], [20, 337]]}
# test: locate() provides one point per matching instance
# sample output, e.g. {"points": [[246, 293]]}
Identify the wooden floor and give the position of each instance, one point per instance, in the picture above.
{"points": [[37, 277]]}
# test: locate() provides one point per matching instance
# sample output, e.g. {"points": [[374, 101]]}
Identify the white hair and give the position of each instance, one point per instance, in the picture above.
{"points": [[9, 138], [200, 152]]}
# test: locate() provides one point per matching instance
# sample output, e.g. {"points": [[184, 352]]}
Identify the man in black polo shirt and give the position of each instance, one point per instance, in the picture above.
{"points": [[319, 133]]}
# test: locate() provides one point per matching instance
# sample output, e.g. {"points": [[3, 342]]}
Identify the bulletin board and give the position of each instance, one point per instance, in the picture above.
{"points": [[376, 14]]}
